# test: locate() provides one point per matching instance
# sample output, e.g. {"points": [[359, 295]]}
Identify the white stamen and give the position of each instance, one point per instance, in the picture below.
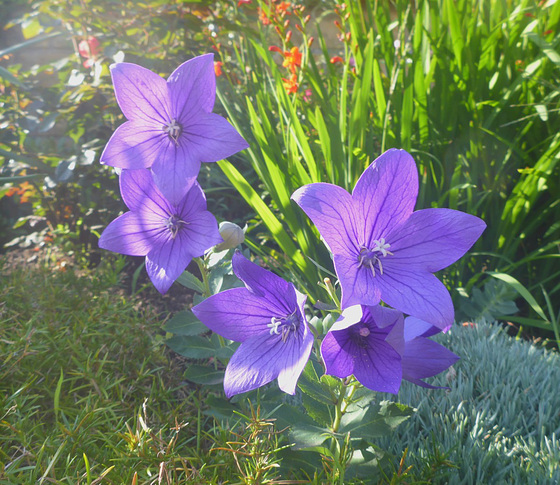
{"points": [[273, 325], [173, 130], [381, 246]]}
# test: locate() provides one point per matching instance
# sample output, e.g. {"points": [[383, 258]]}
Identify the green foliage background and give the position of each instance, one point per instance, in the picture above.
{"points": [[469, 87]]}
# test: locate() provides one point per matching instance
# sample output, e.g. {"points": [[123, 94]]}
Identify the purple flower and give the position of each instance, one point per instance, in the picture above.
{"points": [[170, 127], [168, 235], [423, 357], [367, 342], [382, 249], [267, 318], [380, 348]]}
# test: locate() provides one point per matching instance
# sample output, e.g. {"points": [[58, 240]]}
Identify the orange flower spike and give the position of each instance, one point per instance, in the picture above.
{"points": [[218, 68], [292, 59], [337, 59], [291, 85], [263, 17]]}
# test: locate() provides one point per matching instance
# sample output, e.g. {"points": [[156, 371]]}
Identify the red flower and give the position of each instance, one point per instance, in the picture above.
{"points": [[88, 47], [241, 2], [336, 59]]}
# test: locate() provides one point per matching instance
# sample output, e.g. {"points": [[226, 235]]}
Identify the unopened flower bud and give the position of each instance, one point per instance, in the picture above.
{"points": [[232, 235]]}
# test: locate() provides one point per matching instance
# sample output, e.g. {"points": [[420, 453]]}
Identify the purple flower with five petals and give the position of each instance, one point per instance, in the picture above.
{"points": [[367, 342], [170, 127], [373, 344], [168, 235], [382, 249], [267, 317]]}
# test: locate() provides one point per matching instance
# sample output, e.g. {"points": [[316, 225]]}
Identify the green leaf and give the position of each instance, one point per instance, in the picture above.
{"points": [[31, 28], [524, 292], [220, 408], [57, 391], [192, 347], [309, 383], [374, 420], [185, 323], [191, 281], [308, 436], [8, 76], [200, 374]]}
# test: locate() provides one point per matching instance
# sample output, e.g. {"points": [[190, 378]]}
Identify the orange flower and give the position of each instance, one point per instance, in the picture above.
{"points": [[336, 59], [292, 59], [218, 68], [291, 85], [263, 17], [282, 8]]}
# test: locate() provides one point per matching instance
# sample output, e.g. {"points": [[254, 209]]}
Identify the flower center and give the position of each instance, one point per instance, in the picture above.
{"points": [[284, 325], [370, 257], [173, 130], [174, 224], [360, 334]]}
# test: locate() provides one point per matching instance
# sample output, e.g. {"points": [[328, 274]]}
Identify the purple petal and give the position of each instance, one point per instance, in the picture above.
{"points": [[385, 194], [194, 201], [414, 327], [131, 234], [141, 94], [432, 239], [420, 295], [279, 296], [332, 211], [378, 367], [211, 137], [140, 193], [359, 286], [260, 359], [175, 172], [134, 145], [338, 353], [425, 358], [235, 314], [382, 316], [192, 87], [201, 233], [294, 358], [395, 338], [167, 260]]}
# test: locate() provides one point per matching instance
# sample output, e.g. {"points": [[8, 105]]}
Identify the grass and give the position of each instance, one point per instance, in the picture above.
{"points": [[88, 393]]}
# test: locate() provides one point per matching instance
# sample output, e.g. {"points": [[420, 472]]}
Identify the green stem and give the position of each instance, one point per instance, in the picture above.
{"points": [[338, 412], [204, 273]]}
